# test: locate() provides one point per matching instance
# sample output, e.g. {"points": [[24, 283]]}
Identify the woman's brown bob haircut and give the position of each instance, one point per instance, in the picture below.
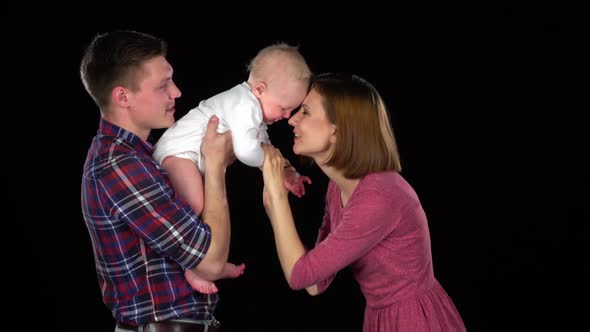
{"points": [[365, 142]]}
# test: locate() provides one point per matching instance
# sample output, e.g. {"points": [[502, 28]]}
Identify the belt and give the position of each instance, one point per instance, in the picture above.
{"points": [[173, 326]]}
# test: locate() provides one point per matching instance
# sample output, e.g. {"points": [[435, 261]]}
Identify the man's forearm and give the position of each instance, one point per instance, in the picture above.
{"points": [[216, 215]]}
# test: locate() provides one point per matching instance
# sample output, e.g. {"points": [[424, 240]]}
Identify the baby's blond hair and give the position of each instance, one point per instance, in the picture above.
{"points": [[276, 62]]}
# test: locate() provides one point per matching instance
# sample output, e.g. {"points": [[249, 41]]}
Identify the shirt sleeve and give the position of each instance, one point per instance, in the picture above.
{"points": [[142, 197], [366, 220]]}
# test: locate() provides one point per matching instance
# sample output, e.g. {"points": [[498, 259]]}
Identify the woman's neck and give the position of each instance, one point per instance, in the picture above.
{"points": [[346, 185]]}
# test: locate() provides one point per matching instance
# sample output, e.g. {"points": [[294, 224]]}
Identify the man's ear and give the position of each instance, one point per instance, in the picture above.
{"points": [[119, 96], [259, 89]]}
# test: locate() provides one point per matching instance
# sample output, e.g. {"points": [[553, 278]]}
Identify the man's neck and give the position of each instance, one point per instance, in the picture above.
{"points": [[126, 124]]}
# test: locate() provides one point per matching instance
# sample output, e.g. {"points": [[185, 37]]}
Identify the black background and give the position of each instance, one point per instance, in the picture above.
{"points": [[482, 100]]}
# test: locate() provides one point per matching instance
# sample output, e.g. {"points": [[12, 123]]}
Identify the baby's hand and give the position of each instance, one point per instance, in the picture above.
{"points": [[295, 181]]}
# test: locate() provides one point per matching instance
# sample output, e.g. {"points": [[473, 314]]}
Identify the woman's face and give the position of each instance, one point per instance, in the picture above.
{"points": [[315, 135]]}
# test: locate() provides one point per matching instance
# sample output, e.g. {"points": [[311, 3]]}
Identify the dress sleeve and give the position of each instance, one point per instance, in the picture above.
{"points": [[366, 220], [322, 234], [144, 200]]}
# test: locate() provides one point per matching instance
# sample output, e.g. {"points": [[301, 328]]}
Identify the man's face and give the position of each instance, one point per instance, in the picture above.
{"points": [[152, 105]]}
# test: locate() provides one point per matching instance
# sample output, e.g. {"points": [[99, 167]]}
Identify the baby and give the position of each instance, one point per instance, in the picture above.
{"points": [[277, 84]]}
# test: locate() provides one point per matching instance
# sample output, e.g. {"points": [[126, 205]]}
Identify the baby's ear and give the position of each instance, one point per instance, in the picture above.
{"points": [[259, 89]]}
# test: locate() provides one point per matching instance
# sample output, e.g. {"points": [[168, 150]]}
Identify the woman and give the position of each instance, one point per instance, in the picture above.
{"points": [[374, 221]]}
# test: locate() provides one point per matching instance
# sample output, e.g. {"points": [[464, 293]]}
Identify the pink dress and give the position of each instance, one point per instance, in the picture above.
{"points": [[382, 233]]}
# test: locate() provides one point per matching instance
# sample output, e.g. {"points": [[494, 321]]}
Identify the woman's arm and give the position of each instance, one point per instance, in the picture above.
{"points": [[276, 202]]}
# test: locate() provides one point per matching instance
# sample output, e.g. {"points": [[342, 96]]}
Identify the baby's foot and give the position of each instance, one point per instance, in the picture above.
{"points": [[233, 271], [199, 284]]}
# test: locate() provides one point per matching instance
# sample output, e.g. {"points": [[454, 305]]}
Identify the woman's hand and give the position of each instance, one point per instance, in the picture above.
{"points": [[273, 172]]}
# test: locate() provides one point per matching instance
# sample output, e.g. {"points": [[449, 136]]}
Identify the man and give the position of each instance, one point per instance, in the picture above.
{"points": [[144, 237]]}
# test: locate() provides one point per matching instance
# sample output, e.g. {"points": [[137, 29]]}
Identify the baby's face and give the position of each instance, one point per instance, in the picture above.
{"points": [[281, 99]]}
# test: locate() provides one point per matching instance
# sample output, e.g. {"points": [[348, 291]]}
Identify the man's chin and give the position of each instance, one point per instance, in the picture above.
{"points": [[166, 124]]}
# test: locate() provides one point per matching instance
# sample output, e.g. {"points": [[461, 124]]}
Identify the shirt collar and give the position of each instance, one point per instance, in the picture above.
{"points": [[106, 128]]}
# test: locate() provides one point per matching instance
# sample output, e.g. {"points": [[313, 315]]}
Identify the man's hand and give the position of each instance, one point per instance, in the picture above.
{"points": [[217, 148]]}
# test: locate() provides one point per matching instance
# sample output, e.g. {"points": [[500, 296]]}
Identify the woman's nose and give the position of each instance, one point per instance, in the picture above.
{"points": [[292, 120]]}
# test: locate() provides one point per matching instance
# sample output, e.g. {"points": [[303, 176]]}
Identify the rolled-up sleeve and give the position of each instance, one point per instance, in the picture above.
{"points": [[151, 209]]}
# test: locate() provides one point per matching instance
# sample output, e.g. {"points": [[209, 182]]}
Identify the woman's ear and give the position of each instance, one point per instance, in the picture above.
{"points": [[334, 134]]}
